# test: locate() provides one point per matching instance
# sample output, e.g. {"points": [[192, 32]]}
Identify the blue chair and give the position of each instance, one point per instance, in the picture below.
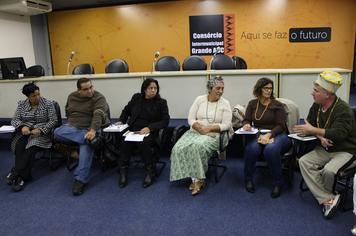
{"points": [[34, 71], [194, 63], [222, 62], [117, 66], [51, 154], [167, 63], [240, 63], [83, 69]]}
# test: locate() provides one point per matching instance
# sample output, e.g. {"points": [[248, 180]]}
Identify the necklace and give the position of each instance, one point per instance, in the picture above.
{"points": [[327, 120], [206, 112], [263, 112]]}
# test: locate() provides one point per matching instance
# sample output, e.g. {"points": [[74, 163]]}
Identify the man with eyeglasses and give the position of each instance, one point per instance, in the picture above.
{"points": [[86, 112]]}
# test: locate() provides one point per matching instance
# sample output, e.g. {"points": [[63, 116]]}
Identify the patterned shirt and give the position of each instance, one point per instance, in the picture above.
{"points": [[42, 117]]}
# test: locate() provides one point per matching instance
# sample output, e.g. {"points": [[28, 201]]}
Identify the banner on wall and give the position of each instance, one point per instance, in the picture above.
{"points": [[212, 34]]}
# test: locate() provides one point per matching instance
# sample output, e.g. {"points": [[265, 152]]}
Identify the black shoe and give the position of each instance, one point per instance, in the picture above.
{"points": [[150, 176], [249, 186], [18, 184], [123, 177], [148, 181], [78, 188], [11, 177], [276, 192]]}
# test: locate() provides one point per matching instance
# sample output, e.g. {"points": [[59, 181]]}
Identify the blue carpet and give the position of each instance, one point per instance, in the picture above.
{"points": [[47, 207]]}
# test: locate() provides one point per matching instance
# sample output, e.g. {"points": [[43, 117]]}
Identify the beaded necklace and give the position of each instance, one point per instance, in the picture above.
{"points": [[258, 102], [327, 121], [206, 111]]}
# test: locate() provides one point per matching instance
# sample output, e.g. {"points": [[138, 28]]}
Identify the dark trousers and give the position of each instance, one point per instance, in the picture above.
{"points": [[272, 153], [145, 149], [24, 157]]}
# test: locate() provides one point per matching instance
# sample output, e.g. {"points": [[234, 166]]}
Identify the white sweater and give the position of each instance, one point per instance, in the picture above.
{"points": [[210, 113]]}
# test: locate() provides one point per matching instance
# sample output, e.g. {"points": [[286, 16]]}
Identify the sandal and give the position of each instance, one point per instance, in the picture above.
{"points": [[198, 187]]}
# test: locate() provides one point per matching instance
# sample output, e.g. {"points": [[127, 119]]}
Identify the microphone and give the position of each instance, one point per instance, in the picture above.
{"points": [[156, 56], [71, 56], [212, 58], [235, 59]]}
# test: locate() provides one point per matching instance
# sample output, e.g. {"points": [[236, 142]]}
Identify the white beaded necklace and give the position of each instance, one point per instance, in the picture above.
{"points": [[206, 111]]}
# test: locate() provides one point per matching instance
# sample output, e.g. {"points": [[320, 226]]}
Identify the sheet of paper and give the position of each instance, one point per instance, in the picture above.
{"points": [[242, 131], [264, 131], [305, 138], [116, 128], [134, 136], [7, 129]]}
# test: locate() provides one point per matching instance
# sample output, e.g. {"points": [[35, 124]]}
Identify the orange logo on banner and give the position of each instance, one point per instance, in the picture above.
{"points": [[229, 34]]}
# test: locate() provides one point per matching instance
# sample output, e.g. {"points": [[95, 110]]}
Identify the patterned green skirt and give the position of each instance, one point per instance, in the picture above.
{"points": [[190, 155]]}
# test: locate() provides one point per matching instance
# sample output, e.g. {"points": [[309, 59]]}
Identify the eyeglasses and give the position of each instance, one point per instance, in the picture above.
{"points": [[267, 88]]}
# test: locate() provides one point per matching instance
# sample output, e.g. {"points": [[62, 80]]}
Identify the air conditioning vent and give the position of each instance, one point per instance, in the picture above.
{"points": [[25, 7]]}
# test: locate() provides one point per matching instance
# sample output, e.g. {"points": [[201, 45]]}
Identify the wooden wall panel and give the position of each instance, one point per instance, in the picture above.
{"points": [[135, 32]]}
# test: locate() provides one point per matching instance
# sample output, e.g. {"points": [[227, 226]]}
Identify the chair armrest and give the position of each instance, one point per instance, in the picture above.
{"points": [[223, 134], [351, 163]]}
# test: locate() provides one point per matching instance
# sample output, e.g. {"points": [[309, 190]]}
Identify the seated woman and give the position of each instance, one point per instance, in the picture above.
{"points": [[267, 113], [146, 113], [34, 120], [208, 116]]}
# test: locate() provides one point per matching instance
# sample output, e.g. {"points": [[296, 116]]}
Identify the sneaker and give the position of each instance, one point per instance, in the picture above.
{"points": [[18, 184], [330, 209], [353, 230], [78, 188], [11, 177]]}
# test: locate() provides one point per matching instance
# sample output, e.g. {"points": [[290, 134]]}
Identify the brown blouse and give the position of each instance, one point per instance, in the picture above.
{"points": [[274, 118]]}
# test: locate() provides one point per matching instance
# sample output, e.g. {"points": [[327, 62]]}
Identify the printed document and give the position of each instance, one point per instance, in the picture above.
{"points": [[116, 128], [242, 131], [7, 129], [134, 136]]}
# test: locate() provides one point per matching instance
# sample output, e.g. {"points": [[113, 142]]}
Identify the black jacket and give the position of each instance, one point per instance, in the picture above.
{"points": [[158, 116]]}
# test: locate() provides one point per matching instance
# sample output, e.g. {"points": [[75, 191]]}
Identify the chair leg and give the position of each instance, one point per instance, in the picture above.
{"points": [[51, 165], [71, 164], [289, 172], [344, 194], [161, 165], [218, 176], [301, 186], [214, 166]]}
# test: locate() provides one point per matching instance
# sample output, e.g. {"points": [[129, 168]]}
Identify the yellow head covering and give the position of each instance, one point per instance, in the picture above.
{"points": [[329, 80]]}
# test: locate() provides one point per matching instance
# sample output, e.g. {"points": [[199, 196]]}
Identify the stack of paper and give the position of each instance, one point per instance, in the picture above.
{"points": [[302, 138], [7, 129], [242, 131], [116, 128], [134, 136]]}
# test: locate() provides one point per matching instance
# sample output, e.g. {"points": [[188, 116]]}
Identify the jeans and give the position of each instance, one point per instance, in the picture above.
{"points": [[272, 153], [69, 134]]}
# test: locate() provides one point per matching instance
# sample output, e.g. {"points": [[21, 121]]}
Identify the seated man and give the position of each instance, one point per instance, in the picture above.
{"points": [[332, 121], [86, 111]]}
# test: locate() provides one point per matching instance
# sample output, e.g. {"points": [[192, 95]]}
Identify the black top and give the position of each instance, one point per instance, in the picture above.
{"points": [[339, 124], [141, 112], [274, 117]]}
